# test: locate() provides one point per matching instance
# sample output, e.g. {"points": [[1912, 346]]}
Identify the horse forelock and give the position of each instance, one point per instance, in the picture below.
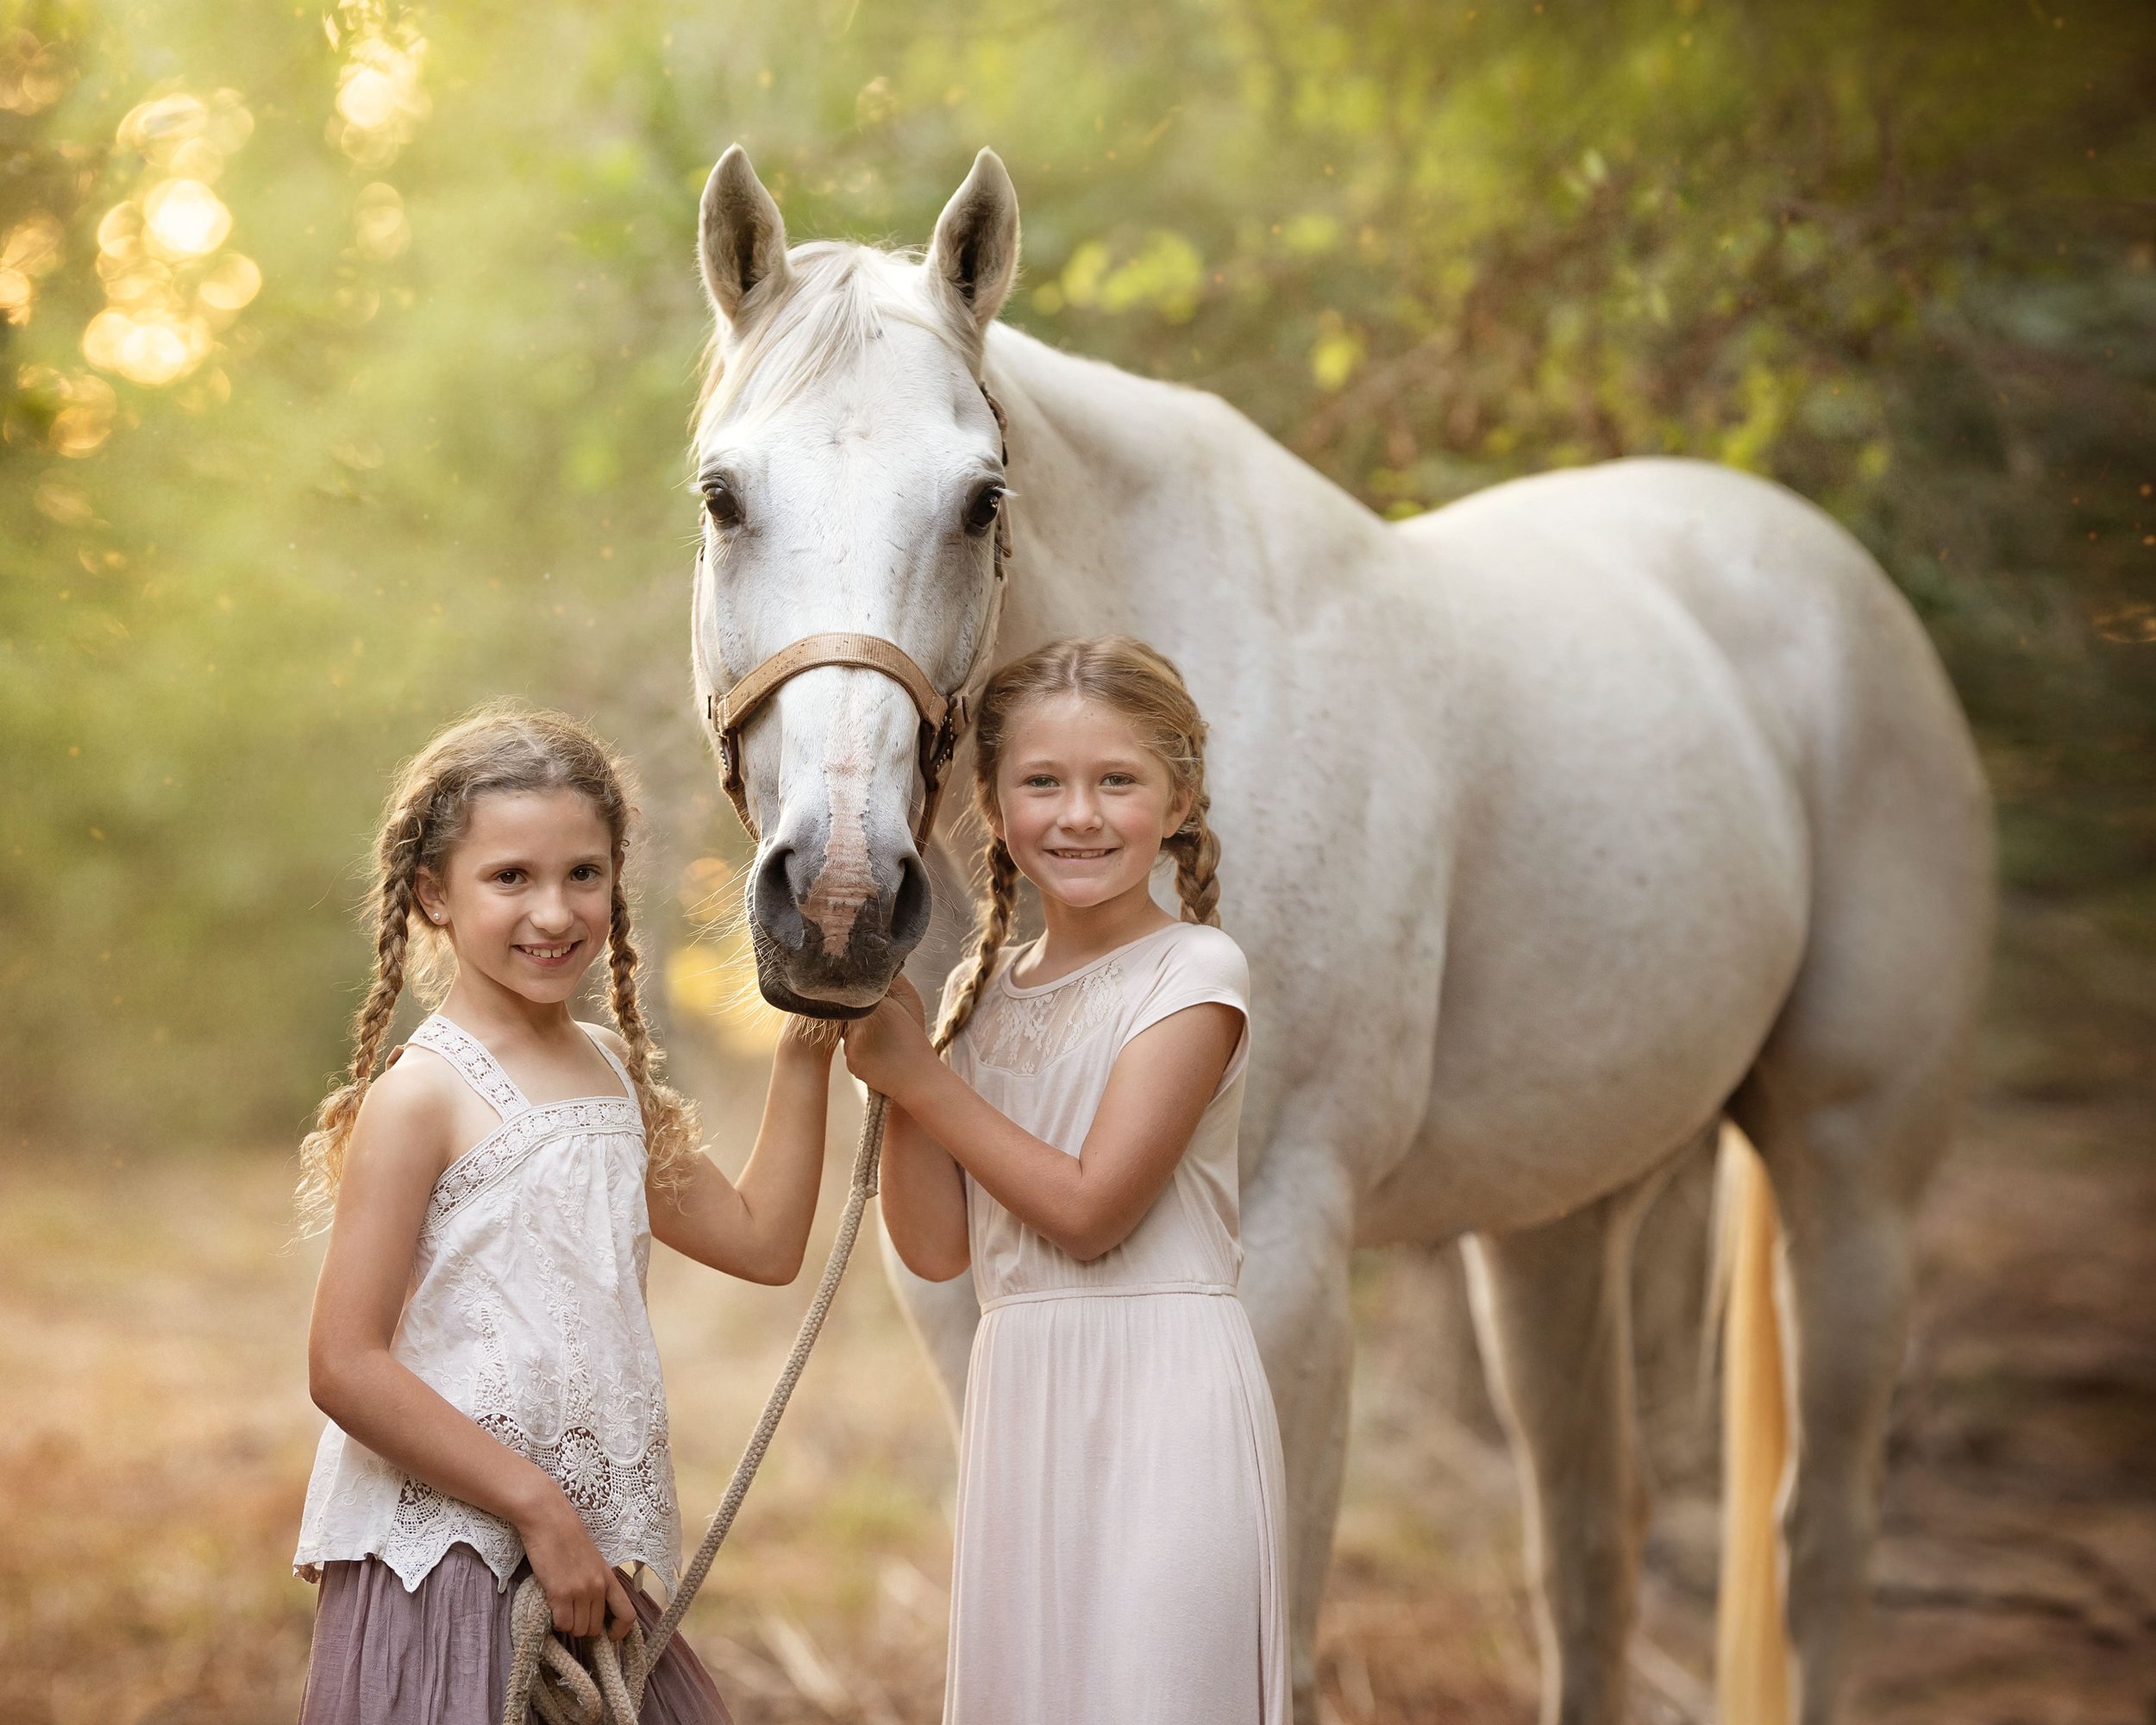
{"points": [[838, 299]]}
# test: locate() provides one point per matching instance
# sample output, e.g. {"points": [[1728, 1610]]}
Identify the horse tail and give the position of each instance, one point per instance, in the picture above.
{"points": [[1751, 1646]]}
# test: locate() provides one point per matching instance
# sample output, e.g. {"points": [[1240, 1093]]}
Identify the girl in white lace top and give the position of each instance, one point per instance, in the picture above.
{"points": [[480, 1341], [1119, 1529]]}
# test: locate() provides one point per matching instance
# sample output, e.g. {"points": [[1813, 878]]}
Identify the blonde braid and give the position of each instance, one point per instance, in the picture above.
{"points": [[671, 1130], [321, 1151], [995, 929], [1197, 855]]}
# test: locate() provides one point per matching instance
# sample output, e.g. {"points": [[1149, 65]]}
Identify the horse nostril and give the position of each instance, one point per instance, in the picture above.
{"points": [[909, 906], [775, 901]]}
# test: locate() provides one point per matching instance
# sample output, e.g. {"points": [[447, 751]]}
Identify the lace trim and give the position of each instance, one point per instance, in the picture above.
{"points": [[1025, 1033], [494, 1154], [628, 1508], [469, 1055]]}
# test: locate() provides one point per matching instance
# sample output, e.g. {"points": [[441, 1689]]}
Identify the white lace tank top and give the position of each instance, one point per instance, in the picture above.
{"points": [[527, 1312]]}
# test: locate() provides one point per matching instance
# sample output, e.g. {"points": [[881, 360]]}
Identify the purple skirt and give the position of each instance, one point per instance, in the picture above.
{"points": [[440, 1654]]}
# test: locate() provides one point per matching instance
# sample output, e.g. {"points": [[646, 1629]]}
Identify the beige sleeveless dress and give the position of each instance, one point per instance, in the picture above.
{"points": [[1119, 1535]]}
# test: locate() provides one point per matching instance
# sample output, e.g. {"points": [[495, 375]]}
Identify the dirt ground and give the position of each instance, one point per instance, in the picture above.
{"points": [[157, 1436]]}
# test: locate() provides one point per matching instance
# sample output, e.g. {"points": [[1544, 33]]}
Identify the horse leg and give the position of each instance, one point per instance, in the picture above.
{"points": [[1847, 1173], [1553, 1307], [1297, 1238], [1850, 1103]]}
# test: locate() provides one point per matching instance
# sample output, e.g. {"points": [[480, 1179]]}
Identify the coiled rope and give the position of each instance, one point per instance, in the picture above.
{"points": [[546, 1675]]}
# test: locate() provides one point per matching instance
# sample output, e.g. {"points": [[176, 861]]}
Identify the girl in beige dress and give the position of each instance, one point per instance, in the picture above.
{"points": [[1119, 1526]]}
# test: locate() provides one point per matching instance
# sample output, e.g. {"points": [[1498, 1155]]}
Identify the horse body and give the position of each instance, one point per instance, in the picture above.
{"points": [[1560, 870], [1555, 824]]}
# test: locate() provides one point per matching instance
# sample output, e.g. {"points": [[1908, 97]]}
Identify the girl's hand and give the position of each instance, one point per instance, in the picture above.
{"points": [[884, 1049], [588, 1596]]}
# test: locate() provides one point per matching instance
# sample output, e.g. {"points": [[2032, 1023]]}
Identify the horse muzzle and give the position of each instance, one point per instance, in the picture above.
{"points": [[830, 935]]}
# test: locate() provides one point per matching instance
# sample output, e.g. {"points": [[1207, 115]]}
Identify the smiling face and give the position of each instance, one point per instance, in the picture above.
{"points": [[526, 895], [1081, 803]]}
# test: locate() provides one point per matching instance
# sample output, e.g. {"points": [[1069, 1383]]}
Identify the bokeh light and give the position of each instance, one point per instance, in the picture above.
{"points": [[156, 129], [32, 77], [378, 219], [152, 347], [83, 408], [32, 250], [379, 102], [185, 219], [168, 287], [230, 283]]}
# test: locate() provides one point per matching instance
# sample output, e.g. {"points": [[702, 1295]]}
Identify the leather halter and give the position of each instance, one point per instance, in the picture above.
{"points": [[943, 717]]}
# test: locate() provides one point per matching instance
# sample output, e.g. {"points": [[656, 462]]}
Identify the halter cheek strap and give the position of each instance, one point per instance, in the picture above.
{"points": [[943, 717]]}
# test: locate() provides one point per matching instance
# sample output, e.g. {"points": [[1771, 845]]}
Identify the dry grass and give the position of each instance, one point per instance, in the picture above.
{"points": [[158, 1434]]}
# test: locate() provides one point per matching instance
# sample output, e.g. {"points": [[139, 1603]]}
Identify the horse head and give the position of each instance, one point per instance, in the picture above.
{"points": [[850, 467]]}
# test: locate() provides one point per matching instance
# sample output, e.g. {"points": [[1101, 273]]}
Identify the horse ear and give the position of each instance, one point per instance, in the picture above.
{"points": [[740, 237], [975, 254]]}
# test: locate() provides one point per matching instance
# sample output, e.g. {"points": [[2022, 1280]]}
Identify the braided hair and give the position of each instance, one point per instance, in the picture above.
{"points": [[1141, 685], [500, 749]]}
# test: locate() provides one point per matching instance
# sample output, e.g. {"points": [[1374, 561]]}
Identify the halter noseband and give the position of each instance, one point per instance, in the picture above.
{"points": [[943, 717]]}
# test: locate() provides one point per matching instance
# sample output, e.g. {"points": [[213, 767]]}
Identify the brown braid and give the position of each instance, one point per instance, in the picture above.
{"points": [[498, 749], [321, 1153], [672, 1135], [995, 929]]}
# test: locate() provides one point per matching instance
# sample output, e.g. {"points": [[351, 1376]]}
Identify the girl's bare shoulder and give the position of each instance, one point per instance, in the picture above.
{"points": [[412, 1111], [610, 1038]]}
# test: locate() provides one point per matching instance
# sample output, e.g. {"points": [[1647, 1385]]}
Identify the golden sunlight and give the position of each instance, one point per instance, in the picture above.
{"points": [[380, 103], [152, 347], [167, 287], [185, 219], [32, 250], [378, 218], [712, 979], [32, 77], [229, 284], [83, 408]]}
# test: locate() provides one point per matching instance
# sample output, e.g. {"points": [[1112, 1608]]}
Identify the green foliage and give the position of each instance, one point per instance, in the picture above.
{"points": [[1899, 256]]}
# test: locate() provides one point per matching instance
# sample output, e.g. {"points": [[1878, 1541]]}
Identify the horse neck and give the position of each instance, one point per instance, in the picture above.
{"points": [[1153, 510]]}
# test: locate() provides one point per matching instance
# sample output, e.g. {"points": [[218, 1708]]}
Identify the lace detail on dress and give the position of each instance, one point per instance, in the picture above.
{"points": [[495, 1155], [481, 1070], [528, 1314], [1024, 1032], [628, 1506]]}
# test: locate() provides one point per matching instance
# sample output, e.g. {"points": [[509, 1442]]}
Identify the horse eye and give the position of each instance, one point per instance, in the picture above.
{"points": [[720, 503], [981, 513]]}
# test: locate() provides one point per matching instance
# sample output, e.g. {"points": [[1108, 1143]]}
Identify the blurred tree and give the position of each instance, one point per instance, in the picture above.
{"points": [[346, 359]]}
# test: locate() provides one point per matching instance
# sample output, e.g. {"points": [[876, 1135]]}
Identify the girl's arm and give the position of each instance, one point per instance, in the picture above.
{"points": [[1087, 1204], [758, 1229], [399, 1146], [923, 1191]]}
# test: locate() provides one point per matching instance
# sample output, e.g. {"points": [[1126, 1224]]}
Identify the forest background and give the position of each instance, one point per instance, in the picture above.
{"points": [[347, 356], [346, 359]]}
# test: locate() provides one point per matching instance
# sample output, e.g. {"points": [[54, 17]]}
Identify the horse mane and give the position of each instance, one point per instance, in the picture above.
{"points": [[838, 299]]}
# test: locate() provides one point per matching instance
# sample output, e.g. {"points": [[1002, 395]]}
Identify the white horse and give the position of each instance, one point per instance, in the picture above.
{"points": [[1559, 824]]}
